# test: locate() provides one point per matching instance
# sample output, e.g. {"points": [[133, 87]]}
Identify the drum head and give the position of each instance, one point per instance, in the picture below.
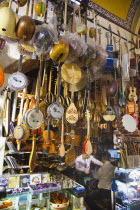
{"points": [[129, 123]]}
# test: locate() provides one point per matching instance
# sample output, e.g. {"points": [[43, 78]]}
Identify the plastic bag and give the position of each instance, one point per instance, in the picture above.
{"points": [[88, 56], [44, 39], [96, 67], [77, 46]]}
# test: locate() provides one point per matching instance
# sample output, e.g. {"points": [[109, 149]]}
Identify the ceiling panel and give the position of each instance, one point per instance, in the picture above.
{"points": [[120, 12]]}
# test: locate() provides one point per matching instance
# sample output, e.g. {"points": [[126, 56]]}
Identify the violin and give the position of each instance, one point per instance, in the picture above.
{"points": [[48, 135]]}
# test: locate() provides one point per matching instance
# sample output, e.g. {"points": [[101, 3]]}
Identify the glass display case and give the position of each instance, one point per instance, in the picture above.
{"points": [[127, 188], [40, 191]]}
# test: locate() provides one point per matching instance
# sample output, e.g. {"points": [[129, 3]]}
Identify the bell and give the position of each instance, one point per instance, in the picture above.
{"points": [[7, 22]]}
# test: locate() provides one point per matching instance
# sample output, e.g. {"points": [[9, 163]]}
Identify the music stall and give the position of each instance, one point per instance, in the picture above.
{"points": [[78, 95]]}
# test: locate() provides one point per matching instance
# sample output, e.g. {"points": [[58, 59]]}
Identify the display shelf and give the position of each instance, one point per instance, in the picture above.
{"points": [[51, 188], [127, 188]]}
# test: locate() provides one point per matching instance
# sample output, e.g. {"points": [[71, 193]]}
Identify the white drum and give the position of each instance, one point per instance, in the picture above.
{"points": [[126, 123]]}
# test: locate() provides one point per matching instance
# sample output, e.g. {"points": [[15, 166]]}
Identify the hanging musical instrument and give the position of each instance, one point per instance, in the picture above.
{"points": [[103, 102], [21, 3], [2, 99], [1, 76], [109, 49], [33, 118], [132, 92], [48, 135], [7, 21], [56, 110], [32, 158], [87, 145], [39, 8], [113, 87], [25, 28], [18, 81], [92, 30], [127, 70], [44, 83], [4, 4], [67, 99], [81, 27], [32, 103], [6, 114], [122, 97], [71, 73], [126, 124], [135, 115], [71, 153], [18, 130], [49, 96], [61, 150], [60, 51], [109, 114], [71, 112]]}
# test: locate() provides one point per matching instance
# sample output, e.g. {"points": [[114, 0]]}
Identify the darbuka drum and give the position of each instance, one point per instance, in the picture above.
{"points": [[126, 124]]}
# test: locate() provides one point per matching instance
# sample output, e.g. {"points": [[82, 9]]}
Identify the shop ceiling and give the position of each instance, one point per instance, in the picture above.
{"points": [[121, 12]]}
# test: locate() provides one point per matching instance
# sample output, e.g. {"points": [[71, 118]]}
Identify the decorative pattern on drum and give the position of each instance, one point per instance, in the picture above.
{"points": [[72, 114], [17, 81], [126, 123], [55, 110], [33, 118], [60, 49]]}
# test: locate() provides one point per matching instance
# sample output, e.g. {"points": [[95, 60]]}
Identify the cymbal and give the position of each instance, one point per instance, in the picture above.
{"points": [[80, 85], [71, 73]]}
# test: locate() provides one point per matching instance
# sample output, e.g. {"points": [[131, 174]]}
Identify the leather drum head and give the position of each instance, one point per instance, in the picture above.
{"points": [[71, 73]]}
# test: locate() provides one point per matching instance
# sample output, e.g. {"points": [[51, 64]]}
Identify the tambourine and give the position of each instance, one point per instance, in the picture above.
{"points": [[126, 124], [33, 118], [60, 49]]}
